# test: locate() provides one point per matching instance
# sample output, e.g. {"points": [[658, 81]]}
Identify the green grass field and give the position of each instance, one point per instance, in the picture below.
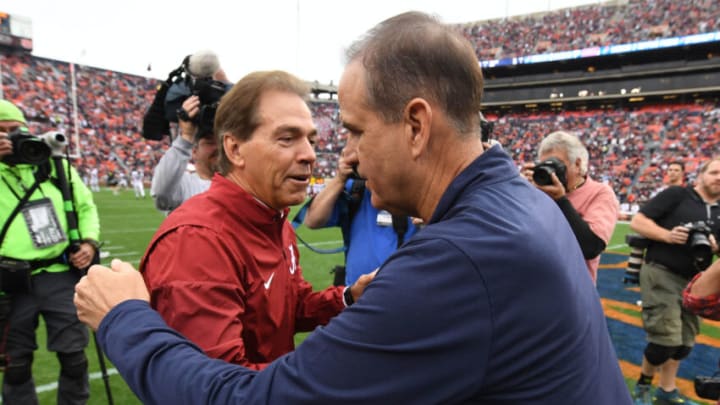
{"points": [[127, 225]]}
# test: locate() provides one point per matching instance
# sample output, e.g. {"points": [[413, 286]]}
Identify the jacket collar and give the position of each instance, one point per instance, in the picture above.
{"points": [[492, 166], [253, 209]]}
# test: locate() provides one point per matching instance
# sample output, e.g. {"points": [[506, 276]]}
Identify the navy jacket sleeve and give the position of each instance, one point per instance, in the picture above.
{"points": [[337, 363]]}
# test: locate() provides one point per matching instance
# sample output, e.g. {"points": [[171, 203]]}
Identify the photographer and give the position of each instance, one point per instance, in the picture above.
{"points": [[675, 221], [590, 207], [38, 248], [172, 183], [345, 202]]}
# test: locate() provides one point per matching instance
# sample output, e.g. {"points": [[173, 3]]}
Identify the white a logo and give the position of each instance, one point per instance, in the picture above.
{"points": [[293, 264]]}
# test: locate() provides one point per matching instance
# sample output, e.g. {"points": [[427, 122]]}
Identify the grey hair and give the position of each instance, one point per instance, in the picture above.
{"points": [[203, 63], [561, 140]]}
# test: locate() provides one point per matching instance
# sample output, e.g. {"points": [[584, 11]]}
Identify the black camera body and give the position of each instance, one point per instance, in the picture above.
{"points": [[167, 104], [209, 93], [707, 387], [33, 150], [542, 173], [699, 243]]}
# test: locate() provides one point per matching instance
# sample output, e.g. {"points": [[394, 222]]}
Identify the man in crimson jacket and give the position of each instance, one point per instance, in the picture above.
{"points": [[223, 269]]}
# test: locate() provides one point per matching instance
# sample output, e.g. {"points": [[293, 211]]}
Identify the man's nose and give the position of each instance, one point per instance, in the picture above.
{"points": [[307, 152]]}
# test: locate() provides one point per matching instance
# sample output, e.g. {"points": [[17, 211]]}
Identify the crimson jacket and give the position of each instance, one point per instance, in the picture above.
{"points": [[224, 270]]}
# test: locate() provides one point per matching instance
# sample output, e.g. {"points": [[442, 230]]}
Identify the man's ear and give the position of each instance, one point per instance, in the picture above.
{"points": [[417, 120], [233, 149]]}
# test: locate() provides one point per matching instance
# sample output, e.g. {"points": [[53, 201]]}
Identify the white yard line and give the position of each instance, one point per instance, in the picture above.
{"points": [[53, 386]]}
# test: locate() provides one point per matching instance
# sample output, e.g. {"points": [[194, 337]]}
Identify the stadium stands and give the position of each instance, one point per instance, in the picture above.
{"points": [[110, 107], [589, 26], [629, 146]]}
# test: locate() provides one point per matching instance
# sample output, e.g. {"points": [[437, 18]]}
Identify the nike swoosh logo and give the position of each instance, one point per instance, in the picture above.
{"points": [[267, 283]]}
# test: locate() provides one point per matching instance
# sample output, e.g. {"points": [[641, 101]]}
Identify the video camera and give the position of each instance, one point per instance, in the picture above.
{"points": [[542, 173], [34, 150], [193, 77], [699, 243]]}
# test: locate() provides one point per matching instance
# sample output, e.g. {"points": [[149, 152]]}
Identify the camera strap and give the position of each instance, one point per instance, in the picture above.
{"points": [[22, 201]]}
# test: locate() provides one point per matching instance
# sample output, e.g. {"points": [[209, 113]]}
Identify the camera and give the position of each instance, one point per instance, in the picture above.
{"points": [[209, 93], [699, 243], [637, 244], [193, 77], [542, 173], [34, 150], [707, 387]]}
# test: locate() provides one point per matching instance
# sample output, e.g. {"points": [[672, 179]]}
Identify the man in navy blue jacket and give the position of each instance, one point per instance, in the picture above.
{"points": [[490, 303]]}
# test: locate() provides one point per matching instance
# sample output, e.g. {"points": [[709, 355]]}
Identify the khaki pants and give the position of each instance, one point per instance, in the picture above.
{"points": [[665, 320]]}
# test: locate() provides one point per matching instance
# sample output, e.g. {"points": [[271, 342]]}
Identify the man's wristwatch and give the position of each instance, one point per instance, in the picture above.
{"points": [[348, 297]]}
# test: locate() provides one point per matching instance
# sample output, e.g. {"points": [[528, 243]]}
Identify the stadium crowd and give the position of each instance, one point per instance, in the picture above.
{"points": [[590, 26], [629, 148], [110, 106]]}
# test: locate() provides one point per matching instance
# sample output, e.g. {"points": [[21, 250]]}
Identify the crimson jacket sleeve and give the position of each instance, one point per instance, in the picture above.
{"points": [[317, 308], [198, 293], [314, 308]]}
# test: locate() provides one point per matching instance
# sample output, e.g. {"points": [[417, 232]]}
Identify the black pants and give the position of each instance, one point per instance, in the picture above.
{"points": [[52, 297]]}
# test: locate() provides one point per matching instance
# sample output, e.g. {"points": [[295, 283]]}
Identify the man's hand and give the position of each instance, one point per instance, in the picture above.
{"points": [[346, 163], [82, 258], [5, 145], [102, 289], [191, 105], [677, 236], [555, 190], [357, 289]]}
